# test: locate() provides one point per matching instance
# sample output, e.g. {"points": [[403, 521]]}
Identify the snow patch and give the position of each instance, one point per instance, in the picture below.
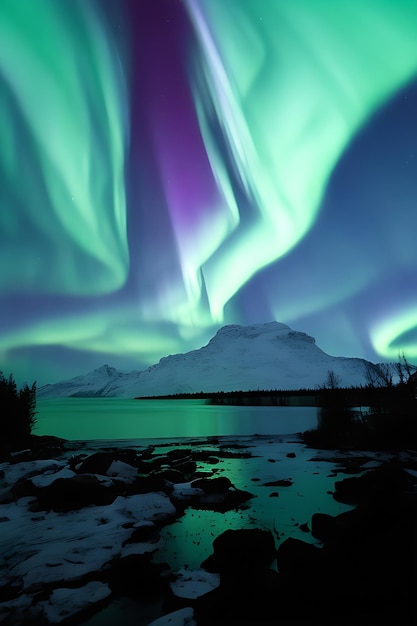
{"points": [[193, 584], [64, 603], [183, 617]]}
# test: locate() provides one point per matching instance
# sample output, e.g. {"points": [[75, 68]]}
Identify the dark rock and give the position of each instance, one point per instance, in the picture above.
{"points": [[170, 474], [75, 460], [274, 494], [46, 446], [220, 495], [243, 601], [136, 576], [212, 460], [248, 589], [301, 560], [97, 463], [278, 483], [323, 527], [222, 501], [5, 453], [23, 488], [129, 456], [291, 455], [371, 552], [11, 589], [178, 454], [144, 533], [148, 484], [146, 466], [386, 481], [305, 528], [329, 529], [205, 456], [212, 485], [241, 551], [21, 456], [67, 494], [186, 466]]}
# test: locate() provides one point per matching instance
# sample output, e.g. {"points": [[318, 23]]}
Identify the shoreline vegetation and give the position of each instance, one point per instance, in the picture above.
{"points": [[357, 569]]}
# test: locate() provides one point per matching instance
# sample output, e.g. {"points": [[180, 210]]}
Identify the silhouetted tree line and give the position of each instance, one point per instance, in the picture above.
{"points": [[17, 410], [382, 412]]}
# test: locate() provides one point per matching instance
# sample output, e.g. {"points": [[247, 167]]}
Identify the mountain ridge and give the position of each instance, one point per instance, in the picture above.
{"points": [[237, 358]]}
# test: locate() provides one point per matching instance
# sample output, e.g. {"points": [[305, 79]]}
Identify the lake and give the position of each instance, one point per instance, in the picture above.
{"points": [[116, 418]]}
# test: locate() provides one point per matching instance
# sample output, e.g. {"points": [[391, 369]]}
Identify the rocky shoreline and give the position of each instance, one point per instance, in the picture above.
{"points": [[81, 525]]}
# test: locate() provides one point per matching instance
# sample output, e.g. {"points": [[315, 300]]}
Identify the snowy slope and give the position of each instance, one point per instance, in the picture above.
{"points": [[263, 356]]}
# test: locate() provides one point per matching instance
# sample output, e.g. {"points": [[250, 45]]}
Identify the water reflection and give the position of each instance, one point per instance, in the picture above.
{"points": [[115, 418]]}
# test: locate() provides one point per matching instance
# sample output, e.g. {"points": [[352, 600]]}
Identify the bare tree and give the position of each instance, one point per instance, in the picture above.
{"points": [[379, 374], [404, 369], [332, 381]]}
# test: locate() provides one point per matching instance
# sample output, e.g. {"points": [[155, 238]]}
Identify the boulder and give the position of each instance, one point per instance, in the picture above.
{"points": [[301, 560], [187, 466], [46, 446], [254, 600], [97, 463], [170, 474], [278, 483], [386, 481], [67, 494], [178, 454], [212, 485], [241, 551], [136, 575]]}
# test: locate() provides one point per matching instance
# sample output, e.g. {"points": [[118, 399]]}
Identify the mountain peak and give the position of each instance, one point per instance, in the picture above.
{"points": [[260, 356], [107, 370], [235, 330]]}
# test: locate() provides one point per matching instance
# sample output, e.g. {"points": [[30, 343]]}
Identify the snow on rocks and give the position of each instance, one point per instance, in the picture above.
{"points": [[65, 522], [182, 617], [215, 494], [122, 471], [64, 525], [183, 492], [64, 602], [11, 473], [193, 584], [46, 479], [15, 611], [68, 546]]}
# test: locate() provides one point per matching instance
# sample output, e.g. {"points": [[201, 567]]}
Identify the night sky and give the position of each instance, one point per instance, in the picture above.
{"points": [[171, 166]]}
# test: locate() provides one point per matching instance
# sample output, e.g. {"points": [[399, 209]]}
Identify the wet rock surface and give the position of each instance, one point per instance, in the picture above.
{"points": [[92, 522]]}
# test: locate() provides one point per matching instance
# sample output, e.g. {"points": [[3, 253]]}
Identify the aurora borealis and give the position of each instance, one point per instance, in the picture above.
{"points": [[168, 167]]}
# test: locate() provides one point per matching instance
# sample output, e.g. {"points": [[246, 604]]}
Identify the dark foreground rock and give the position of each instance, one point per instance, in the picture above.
{"points": [[248, 586], [365, 570]]}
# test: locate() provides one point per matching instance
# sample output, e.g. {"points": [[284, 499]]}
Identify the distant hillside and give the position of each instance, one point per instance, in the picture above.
{"points": [[263, 356]]}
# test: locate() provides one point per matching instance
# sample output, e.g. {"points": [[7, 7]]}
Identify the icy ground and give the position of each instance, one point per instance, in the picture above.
{"points": [[53, 557]]}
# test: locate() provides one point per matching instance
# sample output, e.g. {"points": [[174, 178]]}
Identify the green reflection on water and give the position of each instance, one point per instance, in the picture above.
{"points": [[189, 539], [115, 418]]}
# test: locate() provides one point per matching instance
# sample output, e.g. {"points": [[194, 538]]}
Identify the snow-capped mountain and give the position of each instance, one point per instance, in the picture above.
{"points": [[263, 356]]}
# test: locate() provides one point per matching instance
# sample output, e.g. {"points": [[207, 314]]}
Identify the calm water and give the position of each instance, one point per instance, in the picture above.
{"points": [[115, 418]]}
